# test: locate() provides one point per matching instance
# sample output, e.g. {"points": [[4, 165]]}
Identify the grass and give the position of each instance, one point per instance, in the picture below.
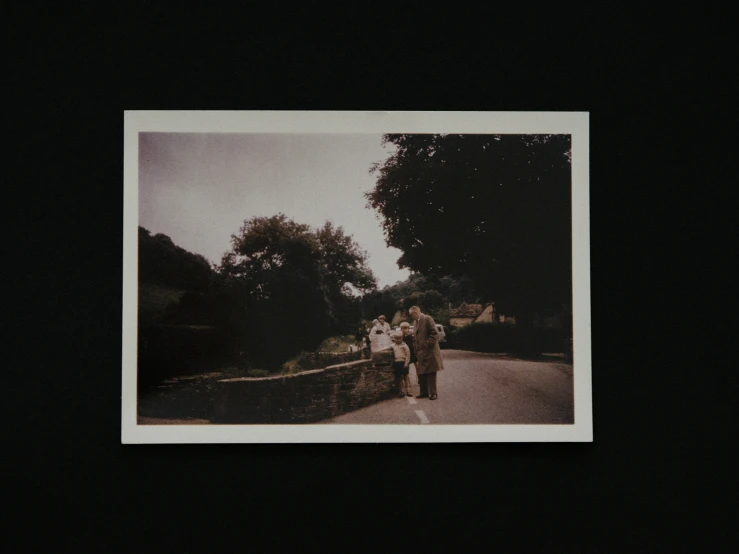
{"points": [[336, 344], [257, 373], [293, 365]]}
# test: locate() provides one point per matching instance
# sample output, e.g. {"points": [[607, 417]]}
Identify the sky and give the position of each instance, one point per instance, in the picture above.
{"points": [[199, 188]]}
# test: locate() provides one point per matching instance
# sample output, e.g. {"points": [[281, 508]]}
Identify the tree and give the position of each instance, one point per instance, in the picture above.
{"points": [[301, 282], [225, 304], [493, 207], [345, 275], [421, 290], [462, 290], [386, 301], [431, 302], [161, 262]]}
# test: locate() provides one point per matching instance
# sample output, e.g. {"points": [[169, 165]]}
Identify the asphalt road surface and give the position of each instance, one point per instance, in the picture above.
{"points": [[483, 389]]}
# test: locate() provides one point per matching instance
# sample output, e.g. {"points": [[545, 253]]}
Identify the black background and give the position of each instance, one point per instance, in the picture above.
{"points": [[661, 410]]}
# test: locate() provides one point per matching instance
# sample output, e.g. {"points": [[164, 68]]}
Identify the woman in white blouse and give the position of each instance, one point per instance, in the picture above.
{"points": [[380, 334]]}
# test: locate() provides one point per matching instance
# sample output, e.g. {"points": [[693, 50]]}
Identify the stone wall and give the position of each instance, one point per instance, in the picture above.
{"points": [[305, 397], [320, 360]]}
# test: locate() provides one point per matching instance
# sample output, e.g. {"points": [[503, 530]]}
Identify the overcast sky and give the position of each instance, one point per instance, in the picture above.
{"points": [[198, 188]]}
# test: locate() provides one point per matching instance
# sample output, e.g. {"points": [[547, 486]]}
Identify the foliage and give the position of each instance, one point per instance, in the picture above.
{"points": [[442, 316], [180, 331], [163, 263], [385, 302], [170, 317], [336, 344], [431, 293], [282, 289], [492, 337], [430, 302], [300, 283], [155, 302], [168, 350], [343, 261], [257, 373], [454, 289], [305, 361], [495, 208], [225, 305], [293, 365]]}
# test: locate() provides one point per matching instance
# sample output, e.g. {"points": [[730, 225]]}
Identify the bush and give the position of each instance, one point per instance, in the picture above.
{"points": [[155, 302], [337, 344], [257, 373], [173, 350], [482, 337], [293, 366], [494, 337], [319, 360]]}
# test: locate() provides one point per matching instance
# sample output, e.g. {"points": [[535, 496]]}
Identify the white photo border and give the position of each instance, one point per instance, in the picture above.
{"points": [[575, 124]]}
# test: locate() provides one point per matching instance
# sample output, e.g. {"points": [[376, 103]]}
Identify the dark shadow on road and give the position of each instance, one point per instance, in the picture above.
{"points": [[550, 357]]}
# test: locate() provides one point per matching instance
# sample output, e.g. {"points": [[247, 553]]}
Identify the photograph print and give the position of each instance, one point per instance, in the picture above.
{"points": [[356, 277]]}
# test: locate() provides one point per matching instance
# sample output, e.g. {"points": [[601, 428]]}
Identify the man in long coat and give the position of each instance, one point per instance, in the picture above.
{"points": [[428, 353]]}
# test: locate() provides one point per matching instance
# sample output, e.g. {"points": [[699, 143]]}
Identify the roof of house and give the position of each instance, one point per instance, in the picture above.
{"points": [[466, 310]]}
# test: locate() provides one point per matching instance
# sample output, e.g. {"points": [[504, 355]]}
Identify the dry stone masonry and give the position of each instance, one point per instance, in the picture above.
{"points": [[305, 397]]}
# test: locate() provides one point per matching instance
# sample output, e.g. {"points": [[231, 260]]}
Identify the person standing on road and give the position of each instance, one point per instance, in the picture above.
{"points": [[428, 354]]}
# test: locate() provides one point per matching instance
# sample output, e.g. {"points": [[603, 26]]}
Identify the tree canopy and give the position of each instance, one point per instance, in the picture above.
{"points": [[431, 293], [161, 262], [267, 247], [302, 281], [495, 208], [281, 288]]}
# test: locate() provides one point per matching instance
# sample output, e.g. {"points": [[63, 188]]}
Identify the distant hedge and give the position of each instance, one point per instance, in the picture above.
{"points": [[493, 337]]}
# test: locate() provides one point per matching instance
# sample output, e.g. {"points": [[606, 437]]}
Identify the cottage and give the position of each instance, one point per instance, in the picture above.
{"points": [[487, 315], [399, 318], [465, 314]]}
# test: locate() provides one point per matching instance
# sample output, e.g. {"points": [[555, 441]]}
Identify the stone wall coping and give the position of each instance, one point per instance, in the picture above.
{"points": [[293, 375], [348, 364]]}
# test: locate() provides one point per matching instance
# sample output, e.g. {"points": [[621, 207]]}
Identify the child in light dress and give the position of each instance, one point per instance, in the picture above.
{"points": [[405, 327]]}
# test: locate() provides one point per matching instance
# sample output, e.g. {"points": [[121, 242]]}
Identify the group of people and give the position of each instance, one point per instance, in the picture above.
{"points": [[417, 345], [378, 337]]}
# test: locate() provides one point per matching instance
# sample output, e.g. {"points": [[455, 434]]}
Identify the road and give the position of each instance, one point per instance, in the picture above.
{"points": [[477, 388]]}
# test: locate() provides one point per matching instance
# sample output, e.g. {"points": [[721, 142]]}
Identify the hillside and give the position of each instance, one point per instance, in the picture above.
{"points": [[154, 301]]}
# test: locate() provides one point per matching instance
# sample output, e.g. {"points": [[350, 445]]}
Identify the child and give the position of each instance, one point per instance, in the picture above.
{"points": [[402, 357], [405, 327], [362, 340]]}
